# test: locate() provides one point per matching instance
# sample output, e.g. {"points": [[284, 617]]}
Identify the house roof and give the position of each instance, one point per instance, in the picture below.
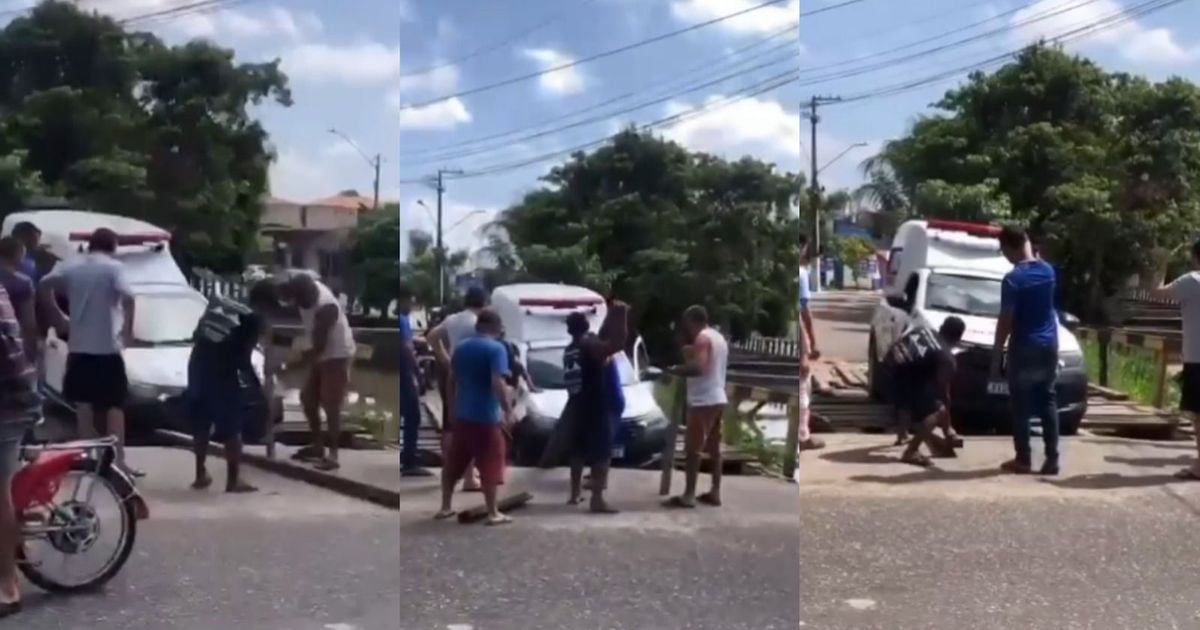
{"points": [[345, 202]]}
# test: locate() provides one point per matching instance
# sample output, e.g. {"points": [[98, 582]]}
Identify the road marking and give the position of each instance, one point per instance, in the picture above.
{"points": [[861, 604], [340, 626], [460, 626]]}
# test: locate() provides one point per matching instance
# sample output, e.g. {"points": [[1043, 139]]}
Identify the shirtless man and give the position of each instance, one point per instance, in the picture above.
{"points": [[706, 402]]}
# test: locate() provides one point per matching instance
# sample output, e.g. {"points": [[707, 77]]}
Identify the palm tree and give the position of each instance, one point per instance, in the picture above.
{"points": [[882, 190]]}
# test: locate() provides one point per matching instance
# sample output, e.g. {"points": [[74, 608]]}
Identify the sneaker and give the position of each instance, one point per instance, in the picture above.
{"points": [[416, 472]]}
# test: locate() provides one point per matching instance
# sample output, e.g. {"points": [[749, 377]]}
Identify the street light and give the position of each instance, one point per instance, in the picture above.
{"points": [[373, 162], [839, 156]]}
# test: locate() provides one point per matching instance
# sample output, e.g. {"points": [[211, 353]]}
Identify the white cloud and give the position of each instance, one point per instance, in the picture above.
{"points": [[761, 21], [359, 63], [296, 176], [441, 115], [227, 23], [443, 79], [1132, 39], [760, 127], [559, 82]]}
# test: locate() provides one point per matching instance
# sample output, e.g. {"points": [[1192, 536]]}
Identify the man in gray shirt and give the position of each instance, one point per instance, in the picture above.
{"points": [[1186, 291], [100, 302]]}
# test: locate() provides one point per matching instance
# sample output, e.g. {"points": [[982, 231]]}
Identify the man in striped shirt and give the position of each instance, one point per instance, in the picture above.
{"points": [[20, 406]]}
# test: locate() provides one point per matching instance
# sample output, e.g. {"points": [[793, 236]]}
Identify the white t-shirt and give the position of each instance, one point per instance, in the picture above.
{"points": [[708, 389], [459, 327], [340, 344], [94, 285], [1186, 289]]}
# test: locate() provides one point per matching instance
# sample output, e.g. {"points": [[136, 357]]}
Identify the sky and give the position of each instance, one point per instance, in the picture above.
{"points": [[343, 62], [870, 38]]}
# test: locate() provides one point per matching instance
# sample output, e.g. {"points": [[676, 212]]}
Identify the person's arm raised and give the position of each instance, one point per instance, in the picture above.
{"points": [[614, 332]]}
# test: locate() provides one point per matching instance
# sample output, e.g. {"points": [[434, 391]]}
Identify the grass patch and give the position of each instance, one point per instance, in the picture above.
{"points": [[740, 430], [1130, 370]]}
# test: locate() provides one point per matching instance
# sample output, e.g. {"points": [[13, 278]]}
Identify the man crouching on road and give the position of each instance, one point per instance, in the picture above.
{"points": [[482, 409], [922, 364]]}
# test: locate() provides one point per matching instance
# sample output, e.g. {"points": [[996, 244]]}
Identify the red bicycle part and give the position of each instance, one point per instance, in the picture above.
{"points": [[38, 482]]}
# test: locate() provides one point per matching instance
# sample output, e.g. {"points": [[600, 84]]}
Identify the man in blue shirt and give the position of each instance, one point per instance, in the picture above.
{"points": [[410, 406], [481, 411], [31, 237], [1029, 324]]}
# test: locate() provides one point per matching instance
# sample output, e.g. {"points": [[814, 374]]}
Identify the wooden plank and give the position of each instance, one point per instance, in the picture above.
{"points": [[1106, 393]]}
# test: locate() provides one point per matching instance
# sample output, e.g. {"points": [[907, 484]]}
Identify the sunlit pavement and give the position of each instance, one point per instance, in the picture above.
{"points": [[1109, 544], [648, 568], [290, 557]]}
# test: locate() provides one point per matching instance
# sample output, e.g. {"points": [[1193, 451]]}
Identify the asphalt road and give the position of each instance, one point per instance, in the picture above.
{"points": [[557, 567], [841, 323], [290, 557], [1110, 545]]}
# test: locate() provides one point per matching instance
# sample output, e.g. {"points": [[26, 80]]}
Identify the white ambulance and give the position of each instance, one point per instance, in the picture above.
{"points": [[936, 269]]}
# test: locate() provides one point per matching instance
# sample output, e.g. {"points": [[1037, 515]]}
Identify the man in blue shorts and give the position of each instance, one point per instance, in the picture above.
{"points": [[1028, 324]]}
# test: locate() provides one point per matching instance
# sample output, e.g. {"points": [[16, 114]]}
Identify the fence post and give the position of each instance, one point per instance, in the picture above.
{"points": [[1103, 337], [791, 446], [677, 418], [1160, 380]]}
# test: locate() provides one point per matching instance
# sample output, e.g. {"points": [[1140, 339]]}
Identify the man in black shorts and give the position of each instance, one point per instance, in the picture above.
{"points": [[1185, 290], [591, 426], [100, 325], [922, 365]]}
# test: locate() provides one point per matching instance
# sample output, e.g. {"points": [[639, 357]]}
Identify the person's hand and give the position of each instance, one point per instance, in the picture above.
{"points": [[127, 337], [814, 354]]}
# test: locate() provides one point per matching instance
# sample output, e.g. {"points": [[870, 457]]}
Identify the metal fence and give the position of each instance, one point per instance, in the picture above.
{"points": [[770, 346]]}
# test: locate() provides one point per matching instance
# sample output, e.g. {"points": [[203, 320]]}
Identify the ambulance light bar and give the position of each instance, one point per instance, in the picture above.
{"points": [[984, 230], [126, 240]]}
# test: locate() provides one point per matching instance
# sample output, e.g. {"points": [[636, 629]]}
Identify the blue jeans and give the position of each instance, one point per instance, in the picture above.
{"points": [[1032, 374], [410, 419]]}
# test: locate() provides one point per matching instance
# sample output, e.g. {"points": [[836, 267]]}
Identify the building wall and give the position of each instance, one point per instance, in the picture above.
{"points": [[309, 217]]}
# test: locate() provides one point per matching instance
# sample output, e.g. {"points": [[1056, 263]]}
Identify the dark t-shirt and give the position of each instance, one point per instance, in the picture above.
{"points": [[919, 356], [224, 342], [584, 377], [19, 287]]}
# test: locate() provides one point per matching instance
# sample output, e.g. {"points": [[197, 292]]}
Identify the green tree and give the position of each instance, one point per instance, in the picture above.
{"points": [[120, 122], [1054, 142], [664, 228]]}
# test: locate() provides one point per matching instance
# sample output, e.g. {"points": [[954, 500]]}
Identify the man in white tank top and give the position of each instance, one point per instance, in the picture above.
{"points": [[444, 339], [328, 352], [706, 362]]}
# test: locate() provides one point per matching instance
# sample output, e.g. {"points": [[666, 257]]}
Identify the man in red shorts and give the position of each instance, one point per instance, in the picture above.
{"points": [[481, 409]]}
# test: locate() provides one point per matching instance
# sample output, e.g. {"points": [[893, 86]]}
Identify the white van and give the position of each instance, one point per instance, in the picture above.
{"points": [[941, 268], [534, 317], [167, 308]]}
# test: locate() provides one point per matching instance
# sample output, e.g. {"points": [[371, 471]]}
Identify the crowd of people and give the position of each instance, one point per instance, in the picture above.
{"points": [[480, 374], [88, 302]]}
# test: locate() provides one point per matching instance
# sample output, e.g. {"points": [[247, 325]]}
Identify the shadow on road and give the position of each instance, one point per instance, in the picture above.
{"points": [[864, 455], [1111, 481], [1150, 462], [846, 314], [929, 474]]}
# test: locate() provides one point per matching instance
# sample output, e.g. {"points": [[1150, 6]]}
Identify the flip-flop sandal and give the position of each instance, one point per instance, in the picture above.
{"points": [[917, 460], [326, 465], [9, 609], [1187, 474], [443, 515], [678, 503], [708, 499], [502, 519]]}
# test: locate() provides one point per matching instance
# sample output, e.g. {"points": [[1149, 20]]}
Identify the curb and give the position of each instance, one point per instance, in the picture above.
{"points": [[383, 497]]}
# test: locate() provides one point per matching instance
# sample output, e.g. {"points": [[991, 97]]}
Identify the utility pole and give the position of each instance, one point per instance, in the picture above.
{"points": [[439, 252], [814, 190], [375, 198], [375, 162]]}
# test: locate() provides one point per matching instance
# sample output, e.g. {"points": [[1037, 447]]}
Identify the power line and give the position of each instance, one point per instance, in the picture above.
{"points": [[183, 10], [707, 66], [488, 48], [662, 97], [450, 156], [616, 51], [773, 83]]}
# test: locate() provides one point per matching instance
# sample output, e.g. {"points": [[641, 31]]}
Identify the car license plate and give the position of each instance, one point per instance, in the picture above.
{"points": [[997, 388]]}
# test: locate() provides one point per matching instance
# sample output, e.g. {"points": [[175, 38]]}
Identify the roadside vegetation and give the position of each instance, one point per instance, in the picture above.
{"points": [[1132, 371]]}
